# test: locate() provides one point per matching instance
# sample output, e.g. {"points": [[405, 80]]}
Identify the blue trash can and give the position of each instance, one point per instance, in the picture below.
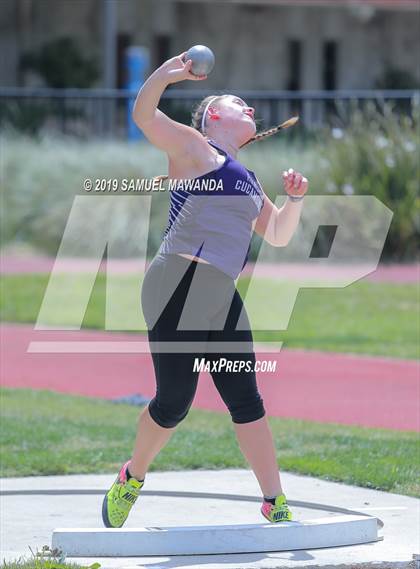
{"points": [[137, 64]]}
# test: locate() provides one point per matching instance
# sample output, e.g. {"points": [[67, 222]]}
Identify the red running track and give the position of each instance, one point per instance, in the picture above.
{"points": [[395, 273], [316, 386]]}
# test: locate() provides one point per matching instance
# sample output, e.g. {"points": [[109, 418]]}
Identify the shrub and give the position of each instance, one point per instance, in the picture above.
{"points": [[62, 64], [376, 154]]}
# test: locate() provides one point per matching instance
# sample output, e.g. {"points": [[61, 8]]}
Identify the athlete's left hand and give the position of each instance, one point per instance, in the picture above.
{"points": [[295, 184]]}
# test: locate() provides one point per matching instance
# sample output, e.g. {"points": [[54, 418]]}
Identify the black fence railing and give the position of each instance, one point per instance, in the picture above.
{"points": [[104, 112]]}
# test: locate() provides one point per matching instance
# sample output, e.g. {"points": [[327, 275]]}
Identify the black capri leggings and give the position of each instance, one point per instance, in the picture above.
{"points": [[205, 314]]}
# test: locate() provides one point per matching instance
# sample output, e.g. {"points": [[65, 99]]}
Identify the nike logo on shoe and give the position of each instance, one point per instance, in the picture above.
{"points": [[129, 497], [280, 516]]}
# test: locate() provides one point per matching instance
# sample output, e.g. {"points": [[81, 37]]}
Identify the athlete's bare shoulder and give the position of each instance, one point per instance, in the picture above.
{"points": [[198, 159]]}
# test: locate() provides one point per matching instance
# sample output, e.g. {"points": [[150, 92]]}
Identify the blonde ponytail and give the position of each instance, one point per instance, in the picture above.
{"points": [[266, 133], [160, 178]]}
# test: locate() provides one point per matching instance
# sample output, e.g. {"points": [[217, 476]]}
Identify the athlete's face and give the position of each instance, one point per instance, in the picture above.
{"points": [[236, 115]]}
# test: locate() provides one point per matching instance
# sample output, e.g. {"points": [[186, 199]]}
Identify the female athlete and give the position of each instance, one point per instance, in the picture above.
{"points": [[192, 280]]}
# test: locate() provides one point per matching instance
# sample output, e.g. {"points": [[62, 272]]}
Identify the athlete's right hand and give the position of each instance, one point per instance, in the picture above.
{"points": [[175, 70]]}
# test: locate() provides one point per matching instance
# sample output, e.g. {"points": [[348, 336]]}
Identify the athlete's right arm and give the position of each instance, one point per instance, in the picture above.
{"points": [[173, 137]]}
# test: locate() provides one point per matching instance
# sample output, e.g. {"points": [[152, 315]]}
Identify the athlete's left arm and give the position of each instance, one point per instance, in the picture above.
{"points": [[275, 225]]}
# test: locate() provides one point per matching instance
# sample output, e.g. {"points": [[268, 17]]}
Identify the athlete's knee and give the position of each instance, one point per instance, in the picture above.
{"points": [[166, 415], [248, 410]]}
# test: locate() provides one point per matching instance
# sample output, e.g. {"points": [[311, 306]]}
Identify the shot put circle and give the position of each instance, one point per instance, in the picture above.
{"points": [[202, 59]]}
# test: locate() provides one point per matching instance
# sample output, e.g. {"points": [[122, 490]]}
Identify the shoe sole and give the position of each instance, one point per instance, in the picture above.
{"points": [[105, 517]]}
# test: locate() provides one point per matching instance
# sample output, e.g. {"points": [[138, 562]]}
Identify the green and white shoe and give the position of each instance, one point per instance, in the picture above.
{"points": [[120, 498]]}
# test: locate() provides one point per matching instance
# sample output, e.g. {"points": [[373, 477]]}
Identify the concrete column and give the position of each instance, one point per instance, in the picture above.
{"points": [[163, 17], [109, 62], [312, 64]]}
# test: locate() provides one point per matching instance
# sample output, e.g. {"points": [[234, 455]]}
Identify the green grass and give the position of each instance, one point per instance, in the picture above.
{"points": [[41, 564], [45, 559], [363, 318], [63, 434], [32, 564]]}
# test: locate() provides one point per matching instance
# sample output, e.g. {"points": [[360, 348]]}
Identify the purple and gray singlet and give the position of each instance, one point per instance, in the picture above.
{"points": [[215, 225]]}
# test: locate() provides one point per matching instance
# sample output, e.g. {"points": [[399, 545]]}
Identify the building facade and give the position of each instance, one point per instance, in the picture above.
{"points": [[259, 45]]}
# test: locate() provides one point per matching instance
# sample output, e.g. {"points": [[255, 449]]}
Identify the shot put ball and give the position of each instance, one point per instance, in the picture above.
{"points": [[202, 59]]}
